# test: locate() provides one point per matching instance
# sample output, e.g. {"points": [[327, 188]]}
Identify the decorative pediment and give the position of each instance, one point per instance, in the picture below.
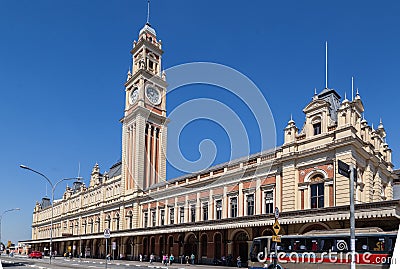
{"points": [[315, 104]]}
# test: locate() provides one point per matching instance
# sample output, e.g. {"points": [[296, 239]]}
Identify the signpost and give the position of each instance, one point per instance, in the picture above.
{"points": [[107, 235], [276, 227], [350, 172], [276, 238]]}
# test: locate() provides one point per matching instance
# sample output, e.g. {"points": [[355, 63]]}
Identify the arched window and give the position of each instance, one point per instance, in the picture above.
{"points": [[91, 225], [316, 123], [108, 221], [117, 221], [98, 224], [130, 219]]}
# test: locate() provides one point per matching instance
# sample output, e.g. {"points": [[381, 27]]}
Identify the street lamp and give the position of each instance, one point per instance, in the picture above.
{"points": [[1, 217], [53, 187]]}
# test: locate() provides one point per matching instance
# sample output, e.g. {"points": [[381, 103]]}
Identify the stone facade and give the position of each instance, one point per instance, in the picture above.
{"points": [[217, 212]]}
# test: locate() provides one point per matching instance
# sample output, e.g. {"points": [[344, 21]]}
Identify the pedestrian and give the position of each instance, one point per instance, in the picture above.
{"points": [[192, 258], [239, 262], [171, 259], [151, 258], [187, 259], [164, 259], [140, 257]]}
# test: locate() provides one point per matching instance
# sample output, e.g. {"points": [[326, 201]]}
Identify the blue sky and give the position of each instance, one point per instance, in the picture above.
{"points": [[63, 65]]}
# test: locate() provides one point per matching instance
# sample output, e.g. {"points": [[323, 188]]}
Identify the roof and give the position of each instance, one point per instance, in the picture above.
{"points": [[115, 170], [147, 27], [327, 91]]}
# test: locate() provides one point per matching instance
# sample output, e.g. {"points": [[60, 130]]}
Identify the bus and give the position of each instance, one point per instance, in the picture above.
{"points": [[324, 249]]}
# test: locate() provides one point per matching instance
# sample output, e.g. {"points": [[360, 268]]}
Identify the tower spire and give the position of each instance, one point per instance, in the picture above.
{"points": [[148, 12], [352, 88], [326, 64]]}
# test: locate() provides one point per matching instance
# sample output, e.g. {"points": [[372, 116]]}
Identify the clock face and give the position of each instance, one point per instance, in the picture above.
{"points": [[153, 95], [133, 95]]}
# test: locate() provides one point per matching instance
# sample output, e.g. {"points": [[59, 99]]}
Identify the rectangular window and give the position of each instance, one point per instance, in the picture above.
{"points": [[193, 213], [181, 214], [234, 207], [145, 219], [162, 217], [205, 211], [171, 215], [153, 218], [269, 202], [218, 209], [250, 204], [317, 195], [317, 128]]}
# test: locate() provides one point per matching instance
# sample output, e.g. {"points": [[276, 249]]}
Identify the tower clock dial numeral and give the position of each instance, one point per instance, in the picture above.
{"points": [[153, 95], [133, 95]]}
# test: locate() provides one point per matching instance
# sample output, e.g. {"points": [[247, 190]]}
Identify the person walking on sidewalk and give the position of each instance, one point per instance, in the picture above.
{"points": [[164, 259], [171, 259], [239, 262], [192, 258]]}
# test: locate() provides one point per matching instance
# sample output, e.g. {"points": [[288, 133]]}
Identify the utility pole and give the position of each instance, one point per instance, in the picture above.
{"points": [[350, 172], [352, 219]]}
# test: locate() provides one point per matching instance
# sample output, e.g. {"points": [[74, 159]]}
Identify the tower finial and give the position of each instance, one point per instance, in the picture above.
{"points": [[315, 97], [352, 88], [326, 64], [148, 12]]}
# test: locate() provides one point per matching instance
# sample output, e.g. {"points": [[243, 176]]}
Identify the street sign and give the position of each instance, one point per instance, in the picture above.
{"points": [[276, 238], [276, 212], [107, 233], [343, 169], [276, 227]]}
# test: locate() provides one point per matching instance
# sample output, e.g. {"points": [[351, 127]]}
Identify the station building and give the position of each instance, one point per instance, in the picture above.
{"points": [[217, 212]]}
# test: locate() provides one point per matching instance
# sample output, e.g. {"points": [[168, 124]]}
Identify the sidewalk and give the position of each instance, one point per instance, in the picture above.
{"points": [[153, 265]]}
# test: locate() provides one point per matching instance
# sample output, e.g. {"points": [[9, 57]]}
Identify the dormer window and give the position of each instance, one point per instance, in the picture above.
{"points": [[317, 128]]}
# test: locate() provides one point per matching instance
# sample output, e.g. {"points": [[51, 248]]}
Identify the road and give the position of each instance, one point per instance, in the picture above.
{"points": [[24, 262]]}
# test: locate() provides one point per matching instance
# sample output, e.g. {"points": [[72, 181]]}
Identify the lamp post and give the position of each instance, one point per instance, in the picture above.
{"points": [[1, 217], [53, 187]]}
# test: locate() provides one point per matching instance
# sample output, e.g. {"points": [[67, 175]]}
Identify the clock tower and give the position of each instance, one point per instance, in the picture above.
{"points": [[144, 130]]}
